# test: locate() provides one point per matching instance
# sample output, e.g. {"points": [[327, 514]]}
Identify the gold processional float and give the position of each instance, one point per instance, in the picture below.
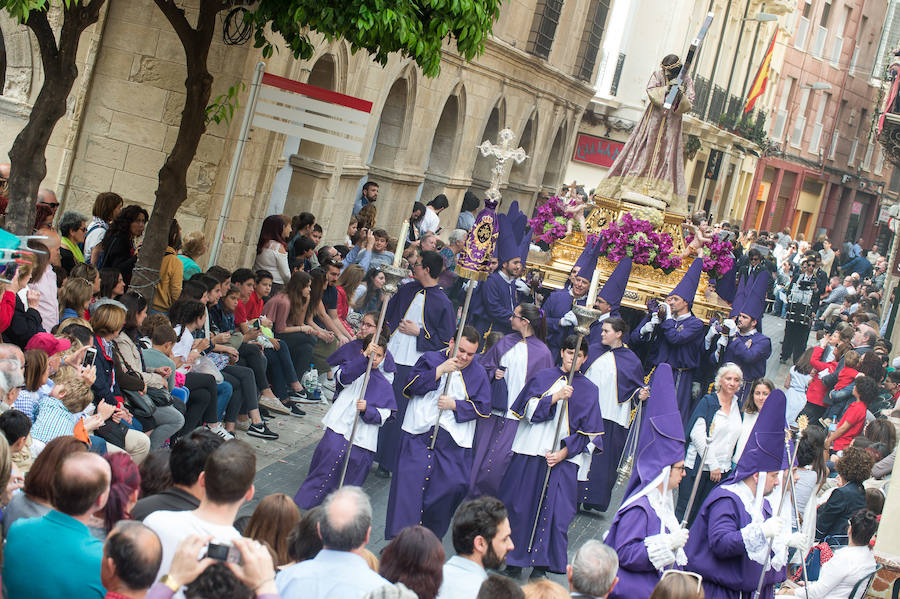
{"points": [[646, 282]]}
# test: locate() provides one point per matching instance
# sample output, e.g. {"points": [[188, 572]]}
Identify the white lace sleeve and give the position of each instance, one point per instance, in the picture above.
{"points": [[658, 551], [755, 542]]}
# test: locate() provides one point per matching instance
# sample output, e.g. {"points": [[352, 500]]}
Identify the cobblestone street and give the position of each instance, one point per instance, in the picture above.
{"points": [[283, 464]]}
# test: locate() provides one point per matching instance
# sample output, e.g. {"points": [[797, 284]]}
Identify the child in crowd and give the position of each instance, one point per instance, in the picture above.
{"points": [[16, 428]]}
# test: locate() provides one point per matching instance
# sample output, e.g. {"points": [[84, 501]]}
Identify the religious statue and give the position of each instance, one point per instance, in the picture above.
{"points": [[574, 208], [699, 231], [652, 162]]}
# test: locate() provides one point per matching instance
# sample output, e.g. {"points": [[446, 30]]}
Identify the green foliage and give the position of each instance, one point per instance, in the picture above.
{"points": [[222, 107], [19, 9], [414, 28]]}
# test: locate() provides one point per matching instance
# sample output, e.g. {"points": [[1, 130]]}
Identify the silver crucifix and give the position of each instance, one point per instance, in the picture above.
{"points": [[502, 152]]}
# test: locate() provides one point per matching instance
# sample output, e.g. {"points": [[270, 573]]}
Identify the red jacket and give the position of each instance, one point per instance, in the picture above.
{"points": [[815, 393]]}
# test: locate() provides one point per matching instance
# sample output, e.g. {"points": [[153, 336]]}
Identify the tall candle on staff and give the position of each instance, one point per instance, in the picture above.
{"points": [[594, 288], [401, 243]]}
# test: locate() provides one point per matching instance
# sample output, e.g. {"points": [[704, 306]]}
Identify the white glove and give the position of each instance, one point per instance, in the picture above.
{"points": [[668, 311], [730, 325], [772, 526], [723, 341], [712, 332], [798, 540], [568, 319], [654, 318], [522, 286], [648, 328], [677, 538]]}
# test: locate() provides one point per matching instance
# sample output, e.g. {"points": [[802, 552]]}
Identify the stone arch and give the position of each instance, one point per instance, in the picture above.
{"points": [[323, 74], [392, 132], [554, 168], [520, 173], [444, 148], [481, 172]]}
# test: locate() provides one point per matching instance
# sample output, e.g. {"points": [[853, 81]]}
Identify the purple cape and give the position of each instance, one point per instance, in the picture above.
{"points": [[440, 318], [493, 304], [637, 576], [494, 436], [716, 548], [355, 348], [539, 358]]}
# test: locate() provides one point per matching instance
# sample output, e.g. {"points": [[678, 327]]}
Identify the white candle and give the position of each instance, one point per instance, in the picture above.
{"points": [[594, 288], [401, 243]]}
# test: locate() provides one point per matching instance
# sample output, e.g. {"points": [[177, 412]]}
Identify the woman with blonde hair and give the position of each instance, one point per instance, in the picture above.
{"points": [[715, 422], [74, 298], [544, 589], [192, 247], [272, 522]]}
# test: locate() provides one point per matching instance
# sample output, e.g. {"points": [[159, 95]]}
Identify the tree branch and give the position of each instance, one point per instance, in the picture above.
{"points": [[40, 26], [176, 17], [78, 17]]}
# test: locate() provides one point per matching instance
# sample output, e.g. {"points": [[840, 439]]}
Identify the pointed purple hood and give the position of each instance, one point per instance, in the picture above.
{"points": [[512, 231], [764, 451], [661, 436], [687, 287], [614, 288], [754, 303], [726, 286], [587, 261]]}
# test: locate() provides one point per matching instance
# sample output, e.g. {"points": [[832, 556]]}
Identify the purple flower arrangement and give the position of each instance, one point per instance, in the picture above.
{"points": [[717, 255], [637, 239], [549, 224]]}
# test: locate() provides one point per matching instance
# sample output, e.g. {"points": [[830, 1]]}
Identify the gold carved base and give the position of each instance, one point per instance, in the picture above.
{"points": [[645, 282]]}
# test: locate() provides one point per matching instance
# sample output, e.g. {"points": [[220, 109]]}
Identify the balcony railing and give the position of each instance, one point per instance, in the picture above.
{"points": [[701, 96]]}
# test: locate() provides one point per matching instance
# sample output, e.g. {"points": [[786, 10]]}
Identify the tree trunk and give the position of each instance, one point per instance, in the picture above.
{"points": [[172, 190], [28, 163]]}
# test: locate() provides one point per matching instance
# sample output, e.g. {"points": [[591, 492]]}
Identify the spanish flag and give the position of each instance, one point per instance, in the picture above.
{"points": [[762, 76]]}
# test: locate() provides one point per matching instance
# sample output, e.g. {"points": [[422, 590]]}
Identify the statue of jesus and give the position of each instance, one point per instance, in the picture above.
{"points": [[652, 163]]}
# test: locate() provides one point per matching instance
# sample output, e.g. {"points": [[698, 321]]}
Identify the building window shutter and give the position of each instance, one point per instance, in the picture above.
{"points": [[543, 28]]}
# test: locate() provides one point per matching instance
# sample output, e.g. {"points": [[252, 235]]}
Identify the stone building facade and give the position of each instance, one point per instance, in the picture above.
{"points": [[534, 77], [825, 173]]}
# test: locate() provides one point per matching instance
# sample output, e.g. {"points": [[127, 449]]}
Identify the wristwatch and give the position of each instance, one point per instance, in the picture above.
{"points": [[171, 583]]}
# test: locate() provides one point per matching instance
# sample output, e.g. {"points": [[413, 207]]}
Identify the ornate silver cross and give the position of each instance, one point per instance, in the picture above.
{"points": [[502, 152]]}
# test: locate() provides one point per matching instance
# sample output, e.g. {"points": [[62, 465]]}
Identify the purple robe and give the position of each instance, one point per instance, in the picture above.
{"points": [[439, 315], [440, 326], [596, 492], [716, 549], [522, 485], [493, 305], [327, 461], [629, 528], [678, 343], [555, 307], [432, 483], [494, 436]]}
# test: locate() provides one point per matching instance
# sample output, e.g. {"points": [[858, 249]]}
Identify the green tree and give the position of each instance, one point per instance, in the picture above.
{"points": [[415, 29], [28, 163]]}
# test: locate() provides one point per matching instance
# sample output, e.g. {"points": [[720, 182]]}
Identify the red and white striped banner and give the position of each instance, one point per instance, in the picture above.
{"points": [[309, 112]]}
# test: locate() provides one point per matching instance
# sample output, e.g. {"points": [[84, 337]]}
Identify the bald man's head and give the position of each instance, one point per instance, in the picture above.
{"points": [[52, 242], [8, 350], [82, 484], [132, 555], [346, 519]]}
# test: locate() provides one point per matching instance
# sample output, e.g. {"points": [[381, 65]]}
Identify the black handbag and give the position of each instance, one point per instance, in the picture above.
{"points": [[139, 404], [160, 397]]}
